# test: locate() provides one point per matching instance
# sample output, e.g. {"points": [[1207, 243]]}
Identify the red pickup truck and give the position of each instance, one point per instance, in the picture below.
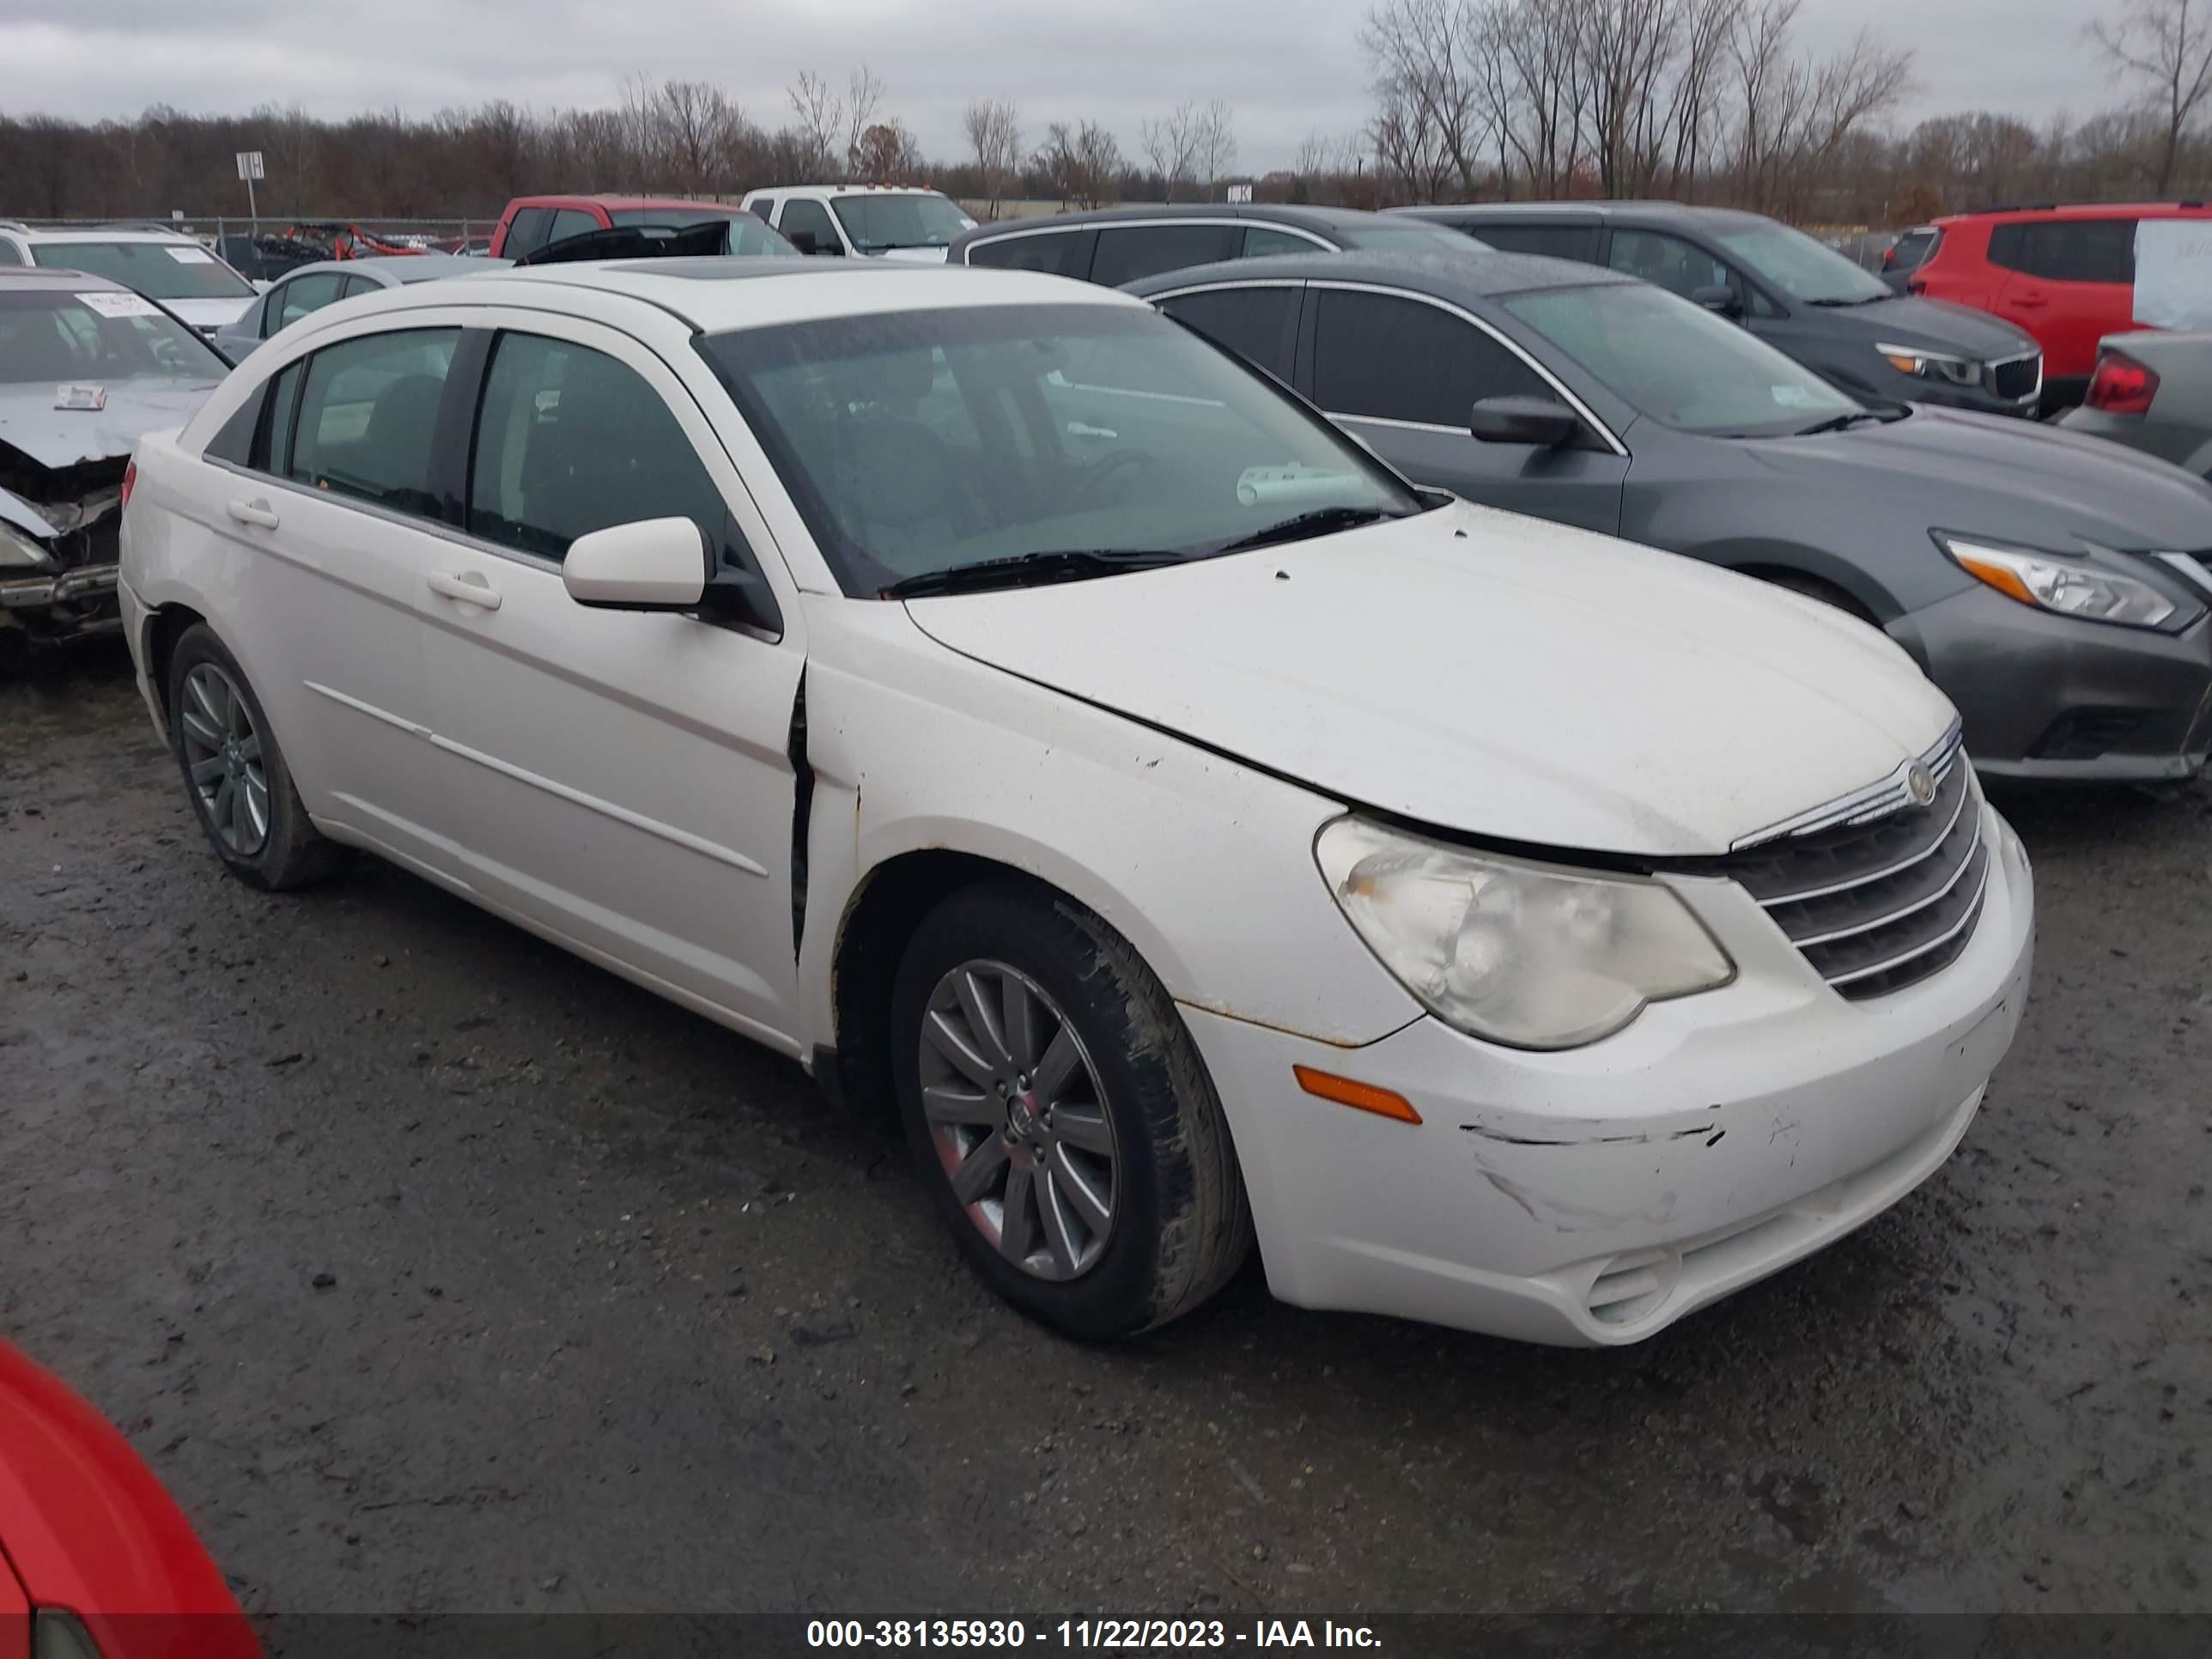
{"points": [[2066, 273], [531, 221]]}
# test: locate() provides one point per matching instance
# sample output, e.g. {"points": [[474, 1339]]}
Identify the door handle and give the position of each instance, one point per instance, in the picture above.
{"points": [[254, 511], [469, 588]]}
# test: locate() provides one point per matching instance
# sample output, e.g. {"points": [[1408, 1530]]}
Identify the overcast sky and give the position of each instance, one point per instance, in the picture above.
{"points": [[1289, 67]]}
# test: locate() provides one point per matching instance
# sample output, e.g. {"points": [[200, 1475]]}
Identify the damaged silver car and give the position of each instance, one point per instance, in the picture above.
{"points": [[86, 365]]}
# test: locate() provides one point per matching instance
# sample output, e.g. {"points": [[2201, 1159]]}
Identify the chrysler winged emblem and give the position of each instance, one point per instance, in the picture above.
{"points": [[1920, 784]]}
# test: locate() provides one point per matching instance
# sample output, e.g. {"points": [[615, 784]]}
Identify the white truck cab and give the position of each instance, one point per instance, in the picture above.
{"points": [[906, 222]]}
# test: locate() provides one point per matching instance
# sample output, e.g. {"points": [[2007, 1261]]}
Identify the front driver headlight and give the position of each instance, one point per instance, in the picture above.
{"points": [[18, 550], [2071, 586], [1533, 954], [1931, 365]]}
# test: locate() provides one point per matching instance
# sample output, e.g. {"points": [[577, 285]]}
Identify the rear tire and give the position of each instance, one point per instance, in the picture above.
{"points": [[236, 777], [1099, 1193]]}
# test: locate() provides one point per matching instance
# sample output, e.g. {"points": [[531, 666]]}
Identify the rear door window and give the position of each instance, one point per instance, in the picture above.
{"points": [[1256, 323], [1406, 359], [2082, 250], [1125, 253], [1553, 241], [367, 415], [1057, 252]]}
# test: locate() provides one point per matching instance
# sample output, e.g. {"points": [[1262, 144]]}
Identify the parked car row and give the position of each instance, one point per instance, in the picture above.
{"points": [[885, 613], [982, 689]]}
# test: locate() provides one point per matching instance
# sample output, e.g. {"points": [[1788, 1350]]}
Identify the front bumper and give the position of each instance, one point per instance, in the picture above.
{"points": [[1595, 1196], [2054, 698]]}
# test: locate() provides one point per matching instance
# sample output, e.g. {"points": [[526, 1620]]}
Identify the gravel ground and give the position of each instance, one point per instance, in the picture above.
{"points": [[435, 1271]]}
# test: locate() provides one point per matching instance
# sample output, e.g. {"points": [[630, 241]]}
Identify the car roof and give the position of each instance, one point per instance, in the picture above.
{"points": [[1478, 274], [1675, 213], [734, 292], [403, 267], [49, 276], [1312, 218], [2079, 210], [130, 233], [610, 200], [845, 190]]}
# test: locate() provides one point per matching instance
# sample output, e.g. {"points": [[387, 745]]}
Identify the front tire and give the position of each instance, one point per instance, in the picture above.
{"points": [[1061, 1115], [235, 774]]}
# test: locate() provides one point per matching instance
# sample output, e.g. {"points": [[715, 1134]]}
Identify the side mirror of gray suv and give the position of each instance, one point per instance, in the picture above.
{"points": [[1536, 421], [1720, 298]]}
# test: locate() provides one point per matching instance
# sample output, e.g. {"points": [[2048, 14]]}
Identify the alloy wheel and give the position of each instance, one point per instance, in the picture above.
{"points": [[222, 755], [1017, 1118]]}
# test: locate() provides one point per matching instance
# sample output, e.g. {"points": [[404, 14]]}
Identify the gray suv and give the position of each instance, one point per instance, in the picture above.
{"points": [[2050, 584], [1113, 246], [1841, 322]]}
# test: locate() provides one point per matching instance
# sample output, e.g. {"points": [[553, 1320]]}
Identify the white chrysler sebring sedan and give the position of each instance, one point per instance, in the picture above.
{"points": [[979, 687]]}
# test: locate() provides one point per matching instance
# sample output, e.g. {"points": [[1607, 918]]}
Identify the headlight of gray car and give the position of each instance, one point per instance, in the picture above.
{"points": [[2069, 584], [1533, 954], [1931, 365]]}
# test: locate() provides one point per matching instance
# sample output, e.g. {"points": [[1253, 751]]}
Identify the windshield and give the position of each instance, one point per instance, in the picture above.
{"points": [[1675, 362], [877, 222], [95, 336], [160, 271], [921, 441], [1801, 269]]}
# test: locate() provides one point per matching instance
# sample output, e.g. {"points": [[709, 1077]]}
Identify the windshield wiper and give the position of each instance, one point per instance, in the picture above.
{"points": [[1840, 423], [1299, 526], [1025, 570], [1863, 300]]}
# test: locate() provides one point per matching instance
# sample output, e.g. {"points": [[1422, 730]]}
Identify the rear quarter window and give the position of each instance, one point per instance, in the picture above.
{"points": [[1058, 253]]}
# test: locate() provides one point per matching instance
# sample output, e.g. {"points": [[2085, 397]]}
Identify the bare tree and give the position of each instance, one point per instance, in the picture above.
{"points": [[2163, 47], [1081, 165], [1169, 144], [994, 127], [864, 96], [819, 117], [889, 154], [1434, 121], [1213, 144]]}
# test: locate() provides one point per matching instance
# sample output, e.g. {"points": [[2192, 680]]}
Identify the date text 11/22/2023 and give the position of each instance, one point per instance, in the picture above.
{"points": [[989, 1635]]}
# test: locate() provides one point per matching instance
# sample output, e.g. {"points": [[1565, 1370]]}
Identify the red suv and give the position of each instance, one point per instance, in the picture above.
{"points": [[2066, 275], [531, 221]]}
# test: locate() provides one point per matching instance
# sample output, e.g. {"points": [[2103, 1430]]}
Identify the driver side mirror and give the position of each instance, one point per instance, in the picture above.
{"points": [[1719, 299], [1537, 421], [805, 241], [653, 564]]}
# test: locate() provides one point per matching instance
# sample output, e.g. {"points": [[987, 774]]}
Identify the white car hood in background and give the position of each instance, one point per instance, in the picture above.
{"points": [[913, 256], [1485, 672], [207, 315]]}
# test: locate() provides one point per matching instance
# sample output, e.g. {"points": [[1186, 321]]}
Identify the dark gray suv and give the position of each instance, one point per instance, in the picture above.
{"points": [[1113, 246], [1841, 322], [2054, 586]]}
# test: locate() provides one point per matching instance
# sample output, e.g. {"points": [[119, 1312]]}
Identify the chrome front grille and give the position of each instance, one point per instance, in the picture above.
{"points": [[2018, 379], [1880, 901]]}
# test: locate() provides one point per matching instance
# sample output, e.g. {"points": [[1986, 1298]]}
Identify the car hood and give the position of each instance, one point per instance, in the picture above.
{"points": [[1995, 476], [1484, 672], [62, 437], [205, 314], [913, 256], [1932, 324]]}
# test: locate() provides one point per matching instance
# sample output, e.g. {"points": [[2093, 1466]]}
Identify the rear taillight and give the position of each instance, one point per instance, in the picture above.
{"points": [[2122, 385], [130, 477]]}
